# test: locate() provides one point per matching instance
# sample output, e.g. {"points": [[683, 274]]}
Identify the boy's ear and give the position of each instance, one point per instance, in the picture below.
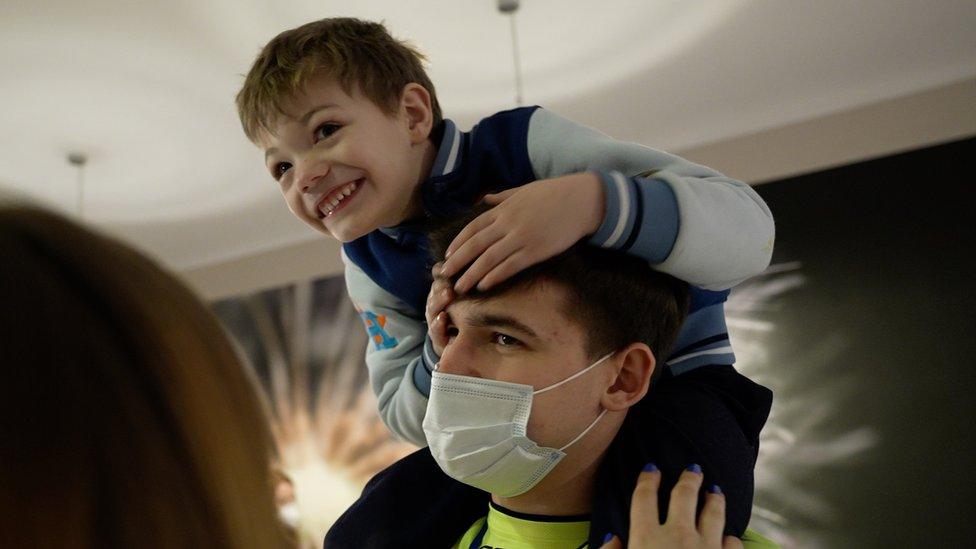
{"points": [[417, 112], [634, 366]]}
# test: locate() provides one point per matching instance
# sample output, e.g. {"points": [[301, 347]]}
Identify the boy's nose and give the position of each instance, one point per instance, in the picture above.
{"points": [[309, 183], [311, 176]]}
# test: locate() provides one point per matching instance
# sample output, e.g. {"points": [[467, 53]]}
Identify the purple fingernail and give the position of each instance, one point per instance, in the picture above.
{"points": [[607, 537], [649, 468], [715, 489], [695, 468]]}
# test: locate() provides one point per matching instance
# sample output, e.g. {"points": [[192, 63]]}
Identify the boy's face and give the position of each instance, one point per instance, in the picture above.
{"points": [[344, 166]]}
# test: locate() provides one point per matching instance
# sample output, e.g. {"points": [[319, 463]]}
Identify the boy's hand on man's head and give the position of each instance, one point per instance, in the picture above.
{"points": [[440, 296], [527, 225]]}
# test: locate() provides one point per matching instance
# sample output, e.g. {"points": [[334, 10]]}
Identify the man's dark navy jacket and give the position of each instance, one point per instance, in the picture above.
{"points": [[414, 504]]}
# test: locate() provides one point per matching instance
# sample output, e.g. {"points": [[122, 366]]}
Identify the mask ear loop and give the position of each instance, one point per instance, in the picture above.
{"points": [[587, 430], [571, 378], [574, 376]]}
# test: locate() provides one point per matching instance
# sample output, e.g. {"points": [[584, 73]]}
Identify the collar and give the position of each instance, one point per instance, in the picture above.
{"points": [[445, 164], [510, 524], [400, 232], [448, 151]]}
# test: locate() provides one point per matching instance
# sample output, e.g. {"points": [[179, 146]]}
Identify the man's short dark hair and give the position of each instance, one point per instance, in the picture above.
{"points": [[616, 298]]}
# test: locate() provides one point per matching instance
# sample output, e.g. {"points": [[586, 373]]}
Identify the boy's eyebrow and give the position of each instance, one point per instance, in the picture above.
{"points": [[303, 120], [502, 321], [313, 110]]}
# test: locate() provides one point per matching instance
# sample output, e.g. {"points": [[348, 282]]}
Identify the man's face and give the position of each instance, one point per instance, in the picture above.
{"points": [[344, 166], [523, 336]]}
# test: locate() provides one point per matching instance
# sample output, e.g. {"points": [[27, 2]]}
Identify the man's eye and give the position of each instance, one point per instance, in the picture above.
{"points": [[452, 332], [279, 170], [505, 340], [325, 130]]}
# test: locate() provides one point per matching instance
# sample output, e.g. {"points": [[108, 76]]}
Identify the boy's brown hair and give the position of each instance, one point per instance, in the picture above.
{"points": [[356, 54]]}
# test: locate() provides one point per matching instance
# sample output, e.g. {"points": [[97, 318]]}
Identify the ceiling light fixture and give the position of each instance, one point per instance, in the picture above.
{"points": [[509, 7], [78, 160]]}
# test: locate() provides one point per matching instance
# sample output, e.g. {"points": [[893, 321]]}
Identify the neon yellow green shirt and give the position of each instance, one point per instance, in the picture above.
{"points": [[506, 530]]}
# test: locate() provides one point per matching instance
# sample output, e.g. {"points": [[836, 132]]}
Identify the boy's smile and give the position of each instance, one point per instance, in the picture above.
{"points": [[338, 198], [344, 166]]}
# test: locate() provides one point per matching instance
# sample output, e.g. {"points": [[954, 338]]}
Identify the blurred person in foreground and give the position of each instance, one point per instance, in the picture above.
{"points": [[127, 418]]}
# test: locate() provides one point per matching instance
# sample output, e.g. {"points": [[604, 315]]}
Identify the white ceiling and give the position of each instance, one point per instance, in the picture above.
{"points": [[146, 88]]}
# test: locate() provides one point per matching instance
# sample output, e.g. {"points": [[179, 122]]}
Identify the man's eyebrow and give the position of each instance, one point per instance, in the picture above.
{"points": [[502, 321], [269, 152]]}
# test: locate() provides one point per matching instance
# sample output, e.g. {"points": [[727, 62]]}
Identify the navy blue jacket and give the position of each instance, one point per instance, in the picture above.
{"points": [[711, 416]]}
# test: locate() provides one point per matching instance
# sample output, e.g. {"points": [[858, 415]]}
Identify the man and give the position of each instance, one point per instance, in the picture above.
{"points": [[536, 402]]}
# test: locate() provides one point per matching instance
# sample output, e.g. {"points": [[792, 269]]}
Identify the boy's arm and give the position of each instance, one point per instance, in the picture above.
{"points": [[399, 355], [685, 219], [690, 221]]}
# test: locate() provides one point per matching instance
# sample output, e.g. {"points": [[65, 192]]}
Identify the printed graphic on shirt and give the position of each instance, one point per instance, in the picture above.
{"points": [[375, 325]]}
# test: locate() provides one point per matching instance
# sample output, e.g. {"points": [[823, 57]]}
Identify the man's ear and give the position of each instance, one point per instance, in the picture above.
{"points": [[416, 110], [635, 365]]}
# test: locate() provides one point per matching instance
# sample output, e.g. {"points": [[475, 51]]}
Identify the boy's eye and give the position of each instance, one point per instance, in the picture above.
{"points": [[325, 130], [505, 340], [279, 170]]}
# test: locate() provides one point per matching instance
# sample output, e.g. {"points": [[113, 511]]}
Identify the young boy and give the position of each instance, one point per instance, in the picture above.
{"points": [[352, 131]]}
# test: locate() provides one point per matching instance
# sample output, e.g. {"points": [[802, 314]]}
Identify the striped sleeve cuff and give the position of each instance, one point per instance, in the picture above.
{"points": [[423, 371], [641, 216], [703, 340]]}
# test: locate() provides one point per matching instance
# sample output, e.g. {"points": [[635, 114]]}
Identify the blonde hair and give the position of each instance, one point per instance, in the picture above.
{"points": [[357, 54], [128, 420]]}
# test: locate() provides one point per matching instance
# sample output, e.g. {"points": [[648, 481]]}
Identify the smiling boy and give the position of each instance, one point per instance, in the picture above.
{"points": [[357, 182], [354, 136]]}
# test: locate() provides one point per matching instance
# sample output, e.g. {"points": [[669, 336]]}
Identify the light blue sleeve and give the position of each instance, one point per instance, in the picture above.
{"points": [[399, 355], [688, 220]]}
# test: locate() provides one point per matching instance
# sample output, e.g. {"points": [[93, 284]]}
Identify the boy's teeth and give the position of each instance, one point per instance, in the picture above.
{"points": [[331, 204]]}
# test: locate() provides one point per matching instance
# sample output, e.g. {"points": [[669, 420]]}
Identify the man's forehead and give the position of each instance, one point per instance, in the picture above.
{"points": [[539, 307]]}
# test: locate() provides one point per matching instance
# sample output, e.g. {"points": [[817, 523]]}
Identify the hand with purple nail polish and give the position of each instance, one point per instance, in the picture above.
{"points": [[680, 530]]}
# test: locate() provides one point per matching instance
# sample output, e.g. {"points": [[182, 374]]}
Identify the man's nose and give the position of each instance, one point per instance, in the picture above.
{"points": [[457, 359]]}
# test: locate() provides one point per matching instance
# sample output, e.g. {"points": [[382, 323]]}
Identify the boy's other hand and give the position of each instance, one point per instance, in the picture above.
{"points": [[440, 296], [680, 529], [526, 226]]}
